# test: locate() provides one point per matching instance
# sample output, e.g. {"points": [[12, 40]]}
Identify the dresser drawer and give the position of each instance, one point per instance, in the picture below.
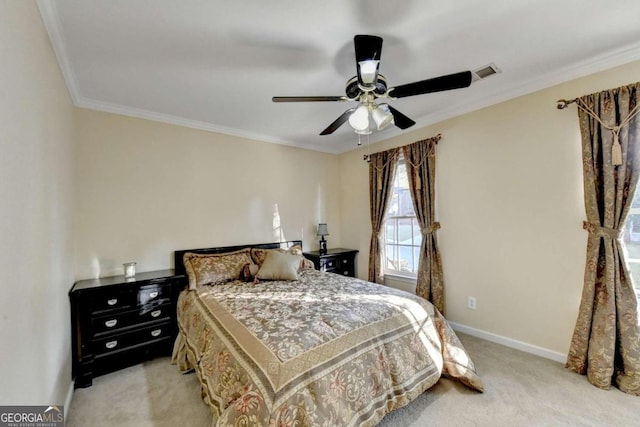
{"points": [[114, 299], [123, 341], [152, 312], [154, 292], [339, 265], [114, 361], [345, 266], [328, 264]]}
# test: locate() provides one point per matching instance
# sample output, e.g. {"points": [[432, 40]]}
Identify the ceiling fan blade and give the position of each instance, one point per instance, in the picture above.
{"points": [[368, 49], [338, 122], [400, 120], [308, 98], [437, 84]]}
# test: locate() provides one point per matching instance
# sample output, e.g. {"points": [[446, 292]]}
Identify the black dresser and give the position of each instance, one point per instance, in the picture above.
{"points": [[118, 322], [338, 260]]}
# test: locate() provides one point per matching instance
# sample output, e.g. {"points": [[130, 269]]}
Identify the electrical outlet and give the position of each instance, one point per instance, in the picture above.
{"points": [[471, 303]]}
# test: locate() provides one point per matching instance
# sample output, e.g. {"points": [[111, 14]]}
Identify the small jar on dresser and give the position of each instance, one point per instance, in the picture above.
{"points": [[117, 322], [338, 260]]}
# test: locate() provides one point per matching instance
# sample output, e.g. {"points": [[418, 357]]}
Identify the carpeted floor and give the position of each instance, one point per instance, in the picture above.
{"points": [[521, 390]]}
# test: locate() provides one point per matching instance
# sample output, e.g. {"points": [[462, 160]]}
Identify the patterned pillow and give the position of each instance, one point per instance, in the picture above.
{"points": [[249, 272], [259, 255], [307, 264], [279, 266], [213, 269]]}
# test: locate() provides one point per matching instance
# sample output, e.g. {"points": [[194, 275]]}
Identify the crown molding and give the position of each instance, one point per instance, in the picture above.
{"points": [[50, 18], [618, 57], [51, 21], [140, 113]]}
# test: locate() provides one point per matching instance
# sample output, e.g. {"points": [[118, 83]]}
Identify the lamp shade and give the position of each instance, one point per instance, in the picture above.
{"points": [[382, 116], [359, 119], [322, 230], [368, 71]]}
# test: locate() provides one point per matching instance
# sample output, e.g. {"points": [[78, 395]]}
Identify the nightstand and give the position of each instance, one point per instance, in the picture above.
{"points": [[339, 260], [118, 322]]}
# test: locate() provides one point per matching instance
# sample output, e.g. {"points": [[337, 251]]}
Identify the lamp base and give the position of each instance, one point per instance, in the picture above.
{"points": [[323, 246]]}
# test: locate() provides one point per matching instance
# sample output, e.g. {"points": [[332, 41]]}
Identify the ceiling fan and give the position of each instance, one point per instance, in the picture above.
{"points": [[368, 85]]}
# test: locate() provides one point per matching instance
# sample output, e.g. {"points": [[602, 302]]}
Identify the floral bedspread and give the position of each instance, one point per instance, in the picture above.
{"points": [[325, 350]]}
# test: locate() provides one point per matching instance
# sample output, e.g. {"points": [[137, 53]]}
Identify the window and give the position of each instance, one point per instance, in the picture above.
{"points": [[402, 235], [631, 239]]}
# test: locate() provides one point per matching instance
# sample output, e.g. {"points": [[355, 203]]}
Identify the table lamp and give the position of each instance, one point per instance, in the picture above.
{"points": [[323, 231]]}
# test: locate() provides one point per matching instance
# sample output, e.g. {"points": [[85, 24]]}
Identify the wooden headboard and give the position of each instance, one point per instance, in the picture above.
{"points": [[178, 255]]}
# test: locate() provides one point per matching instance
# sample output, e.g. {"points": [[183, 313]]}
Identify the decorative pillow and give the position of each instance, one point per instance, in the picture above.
{"points": [[259, 255], [249, 272], [279, 266], [295, 250], [213, 269], [306, 264]]}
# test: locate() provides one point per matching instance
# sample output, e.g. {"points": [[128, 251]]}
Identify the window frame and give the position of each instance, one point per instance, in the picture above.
{"points": [[628, 228], [415, 244]]}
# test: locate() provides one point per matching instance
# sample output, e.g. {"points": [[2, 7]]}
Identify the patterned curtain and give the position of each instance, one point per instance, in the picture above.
{"points": [[420, 160], [382, 168], [606, 340]]}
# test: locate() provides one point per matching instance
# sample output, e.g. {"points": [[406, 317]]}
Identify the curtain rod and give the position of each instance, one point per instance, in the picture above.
{"points": [[367, 157], [563, 103]]}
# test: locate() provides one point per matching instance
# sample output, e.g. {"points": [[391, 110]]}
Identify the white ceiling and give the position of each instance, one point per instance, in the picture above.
{"points": [[214, 65]]}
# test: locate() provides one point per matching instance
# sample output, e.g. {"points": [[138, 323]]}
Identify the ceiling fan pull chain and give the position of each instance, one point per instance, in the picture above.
{"points": [[366, 157]]}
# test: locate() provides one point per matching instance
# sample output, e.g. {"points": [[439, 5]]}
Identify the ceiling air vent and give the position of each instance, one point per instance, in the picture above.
{"points": [[486, 71]]}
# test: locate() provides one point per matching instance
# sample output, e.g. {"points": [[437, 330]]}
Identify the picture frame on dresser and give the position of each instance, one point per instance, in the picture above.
{"points": [[118, 322]]}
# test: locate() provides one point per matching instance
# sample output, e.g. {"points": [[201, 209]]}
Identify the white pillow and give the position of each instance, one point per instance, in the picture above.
{"points": [[279, 266]]}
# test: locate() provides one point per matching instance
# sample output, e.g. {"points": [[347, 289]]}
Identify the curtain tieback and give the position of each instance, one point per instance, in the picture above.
{"points": [[616, 148], [430, 230], [599, 231]]}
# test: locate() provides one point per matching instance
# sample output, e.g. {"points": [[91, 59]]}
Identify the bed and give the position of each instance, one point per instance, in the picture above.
{"points": [[314, 349]]}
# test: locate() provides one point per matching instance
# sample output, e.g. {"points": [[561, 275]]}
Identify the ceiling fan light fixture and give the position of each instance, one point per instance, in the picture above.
{"points": [[382, 116], [368, 71], [359, 120], [367, 131], [368, 85]]}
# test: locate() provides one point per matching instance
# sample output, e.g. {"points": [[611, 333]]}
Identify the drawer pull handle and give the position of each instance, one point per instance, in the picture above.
{"points": [[346, 272], [111, 323], [113, 301], [156, 332], [344, 261], [111, 344], [153, 294], [156, 313]]}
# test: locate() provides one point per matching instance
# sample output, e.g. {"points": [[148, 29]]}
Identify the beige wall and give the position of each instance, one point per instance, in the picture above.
{"points": [[509, 197], [36, 191], [146, 189]]}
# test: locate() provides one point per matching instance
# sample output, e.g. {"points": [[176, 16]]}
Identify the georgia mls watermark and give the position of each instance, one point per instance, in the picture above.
{"points": [[31, 416]]}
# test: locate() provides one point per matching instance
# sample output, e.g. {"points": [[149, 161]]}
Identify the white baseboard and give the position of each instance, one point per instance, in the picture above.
{"points": [[509, 342], [67, 400]]}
